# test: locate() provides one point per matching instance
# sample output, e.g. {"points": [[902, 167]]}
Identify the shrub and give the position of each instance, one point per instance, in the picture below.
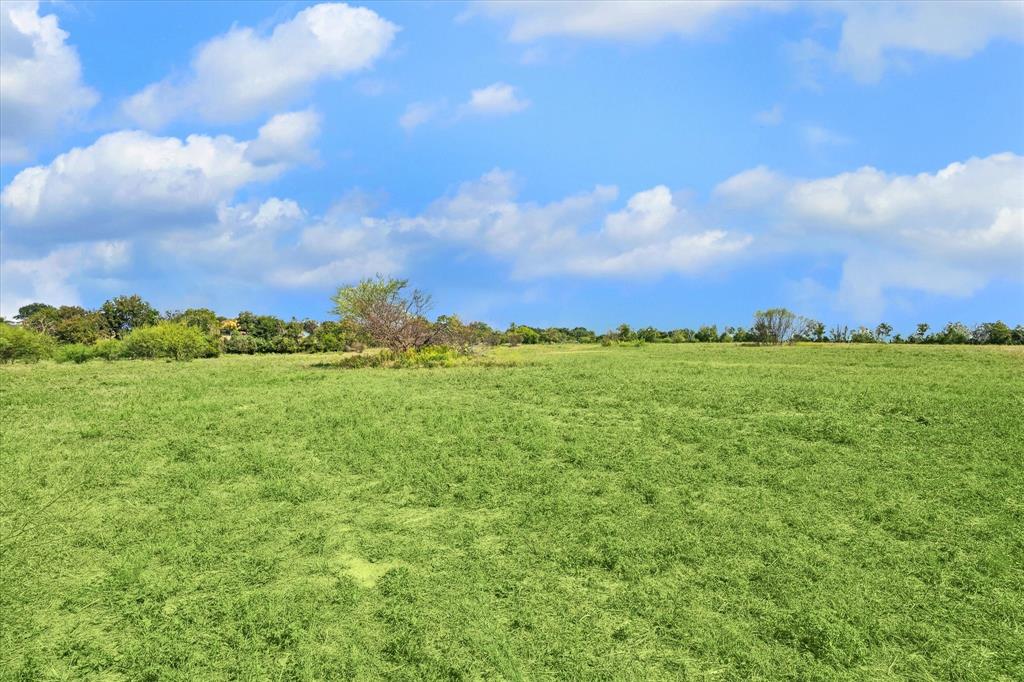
{"points": [[245, 345], [74, 352], [428, 356], [18, 343], [527, 335], [108, 349], [169, 340]]}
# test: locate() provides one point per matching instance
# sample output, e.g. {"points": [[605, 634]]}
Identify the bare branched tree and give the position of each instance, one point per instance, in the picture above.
{"points": [[392, 318]]}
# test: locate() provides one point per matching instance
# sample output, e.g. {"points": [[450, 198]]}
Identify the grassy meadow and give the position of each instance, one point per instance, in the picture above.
{"points": [[693, 511]]}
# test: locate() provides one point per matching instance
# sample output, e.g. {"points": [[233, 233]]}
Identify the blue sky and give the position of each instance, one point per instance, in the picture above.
{"points": [[552, 164]]}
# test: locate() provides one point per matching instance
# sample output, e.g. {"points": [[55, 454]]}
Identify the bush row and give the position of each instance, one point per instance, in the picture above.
{"points": [[165, 340]]}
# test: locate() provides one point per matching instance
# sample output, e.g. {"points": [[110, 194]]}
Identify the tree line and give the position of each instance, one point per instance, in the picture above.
{"points": [[384, 312]]}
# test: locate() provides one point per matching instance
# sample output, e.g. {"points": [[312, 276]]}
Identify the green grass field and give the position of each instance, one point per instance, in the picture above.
{"points": [[664, 512]]}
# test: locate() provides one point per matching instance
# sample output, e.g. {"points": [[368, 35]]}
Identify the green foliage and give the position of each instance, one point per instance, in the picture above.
{"points": [[808, 330], [527, 335], [863, 335], [954, 332], [108, 349], [382, 310], [774, 325], [18, 344], [681, 336], [203, 319], [73, 352], [426, 357], [67, 324], [79, 326], [104, 349], [169, 340], [27, 311], [123, 314], [648, 334], [707, 334], [840, 333]]}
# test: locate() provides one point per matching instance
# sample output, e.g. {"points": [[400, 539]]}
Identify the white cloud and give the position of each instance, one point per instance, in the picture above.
{"points": [[868, 278], [752, 187], [130, 181], [494, 100], [418, 113], [286, 137], [40, 77], [243, 73], [682, 254], [646, 216], [497, 98], [650, 237], [948, 232], [275, 243], [769, 117], [630, 20], [54, 277], [875, 34]]}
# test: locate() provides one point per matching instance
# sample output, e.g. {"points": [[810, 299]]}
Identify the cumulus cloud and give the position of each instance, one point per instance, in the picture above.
{"points": [[55, 277], [286, 137], [646, 216], [41, 80], [132, 181], [243, 73], [497, 98], [278, 244], [575, 235], [948, 232]]}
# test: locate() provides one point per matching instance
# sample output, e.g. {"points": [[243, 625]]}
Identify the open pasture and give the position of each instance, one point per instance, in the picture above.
{"points": [[688, 511]]}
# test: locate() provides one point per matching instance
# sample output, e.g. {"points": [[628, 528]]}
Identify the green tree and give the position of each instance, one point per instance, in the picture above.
{"points": [[123, 314], [883, 331], [839, 334], [648, 334], [953, 333], [707, 334], [78, 325], [27, 311], [863, 335], [39, 317], [774, 325], [994, 333], [203, 319]]}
